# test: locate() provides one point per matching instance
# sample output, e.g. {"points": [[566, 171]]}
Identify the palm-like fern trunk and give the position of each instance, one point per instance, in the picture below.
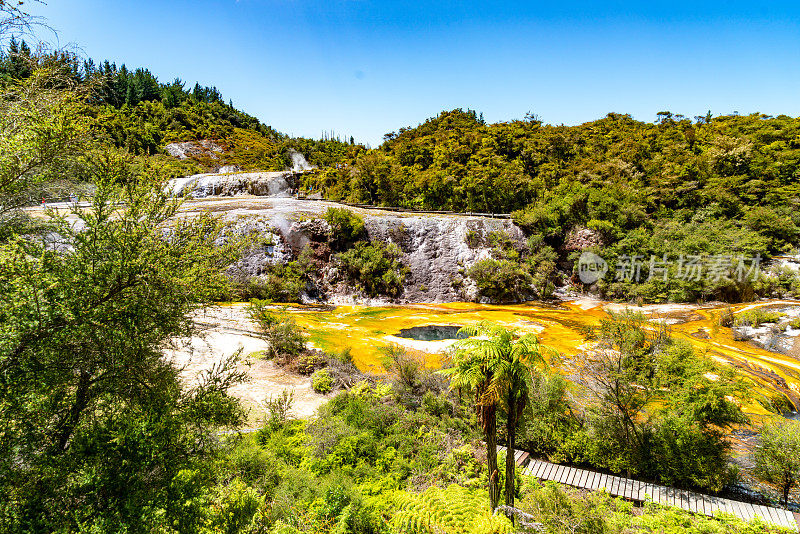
{"points": [[489, 420], [510, 464]]}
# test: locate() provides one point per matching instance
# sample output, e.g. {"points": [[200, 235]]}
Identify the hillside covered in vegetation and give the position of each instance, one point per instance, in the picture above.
{"points": [[134, 111], [719, 189], [102, 432], [710, 186]]}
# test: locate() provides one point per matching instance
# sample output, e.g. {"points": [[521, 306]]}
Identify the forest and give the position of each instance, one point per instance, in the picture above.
{"points": [[725, 185], [707, 187], [99, 434]]}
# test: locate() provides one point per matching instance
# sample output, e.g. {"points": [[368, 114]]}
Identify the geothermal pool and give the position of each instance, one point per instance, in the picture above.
{"points": [[423, 328]]}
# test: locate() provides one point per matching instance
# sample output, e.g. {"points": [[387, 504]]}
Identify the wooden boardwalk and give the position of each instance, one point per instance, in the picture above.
{"points": [[635, 490]]}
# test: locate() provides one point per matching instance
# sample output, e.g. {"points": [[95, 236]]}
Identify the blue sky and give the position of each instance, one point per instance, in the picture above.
{"points": [[365, 68]]}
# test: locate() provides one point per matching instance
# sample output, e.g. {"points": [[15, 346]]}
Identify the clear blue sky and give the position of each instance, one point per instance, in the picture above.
{"points": [[365, 68]]}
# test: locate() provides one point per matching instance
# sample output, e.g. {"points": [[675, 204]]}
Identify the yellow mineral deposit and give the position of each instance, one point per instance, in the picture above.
{"points": [[560, 327]]}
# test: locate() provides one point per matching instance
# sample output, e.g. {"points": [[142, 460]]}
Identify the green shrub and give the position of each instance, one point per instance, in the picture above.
{"points": [[501, 280], [453, 509], [638, 369], [503, 246], [286, 441], [263, 313], [254, 465], [279, 408], [687, 455], [563, 512], [281, 527], [778, 228], [280, 283], [726, 317], [281, 330], [237, 508], [474, 239], [778, 456], [286, 338], [309, 362], [358, 518], [374, 268], [322, 381], [550, 423], [756, 317], [347, 227]]}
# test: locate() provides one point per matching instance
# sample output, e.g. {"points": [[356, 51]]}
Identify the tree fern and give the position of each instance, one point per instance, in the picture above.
{"points": [[454, 510]]}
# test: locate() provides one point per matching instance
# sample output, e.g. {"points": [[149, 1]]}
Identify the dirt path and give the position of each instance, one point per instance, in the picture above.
{"points": [[227, 329]]}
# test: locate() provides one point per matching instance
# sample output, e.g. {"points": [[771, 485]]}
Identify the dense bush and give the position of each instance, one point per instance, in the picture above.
{"points": [[550, 426], [756, 317], [374, 268], [501, 280], [369, 465], [777, 456], [653, 408], [279, 283], [347, 227], [280, 329], [322, 381]]}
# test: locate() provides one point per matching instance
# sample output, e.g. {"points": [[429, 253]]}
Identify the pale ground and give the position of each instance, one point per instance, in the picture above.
{"points": [[227, 329]]}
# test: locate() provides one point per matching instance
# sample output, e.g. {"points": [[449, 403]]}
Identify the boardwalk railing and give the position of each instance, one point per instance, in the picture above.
{"points": [[635, 490], [303, 196]]}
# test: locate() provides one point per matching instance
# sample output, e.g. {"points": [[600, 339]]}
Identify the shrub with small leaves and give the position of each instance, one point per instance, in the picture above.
{"points": [[322, 381]]}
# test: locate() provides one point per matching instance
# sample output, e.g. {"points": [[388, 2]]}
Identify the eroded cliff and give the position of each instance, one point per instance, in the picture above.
{"points": [[437, 249]]}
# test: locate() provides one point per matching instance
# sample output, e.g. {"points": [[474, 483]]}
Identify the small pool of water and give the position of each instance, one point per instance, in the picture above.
{"points": [[432, 333], [792, 415]]}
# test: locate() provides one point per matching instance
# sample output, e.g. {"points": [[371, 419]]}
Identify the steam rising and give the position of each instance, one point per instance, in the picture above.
{"points": [[299, 162]]}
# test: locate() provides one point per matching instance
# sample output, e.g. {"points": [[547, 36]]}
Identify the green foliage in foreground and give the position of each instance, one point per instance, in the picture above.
{"points": [[453, 509], [95, 424], [370, 465], [566, 511], [778, 456], [653, 408]]}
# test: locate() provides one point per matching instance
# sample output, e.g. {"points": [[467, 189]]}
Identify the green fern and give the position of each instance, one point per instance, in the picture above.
{"points": [[454, 510]]}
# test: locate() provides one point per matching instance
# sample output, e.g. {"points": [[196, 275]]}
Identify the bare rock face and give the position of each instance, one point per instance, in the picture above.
{"points": [[580, 238], [437, 253], [302, 233], [188, 149], [438, 250], [227, 169], [271, 184]]}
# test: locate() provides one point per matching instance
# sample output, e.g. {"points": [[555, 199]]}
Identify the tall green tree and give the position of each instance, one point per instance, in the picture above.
{"points": [[660, 410], [778, 456], [43, 138], [474, 369], [496, 364], [94, 420], [520, 357]]}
